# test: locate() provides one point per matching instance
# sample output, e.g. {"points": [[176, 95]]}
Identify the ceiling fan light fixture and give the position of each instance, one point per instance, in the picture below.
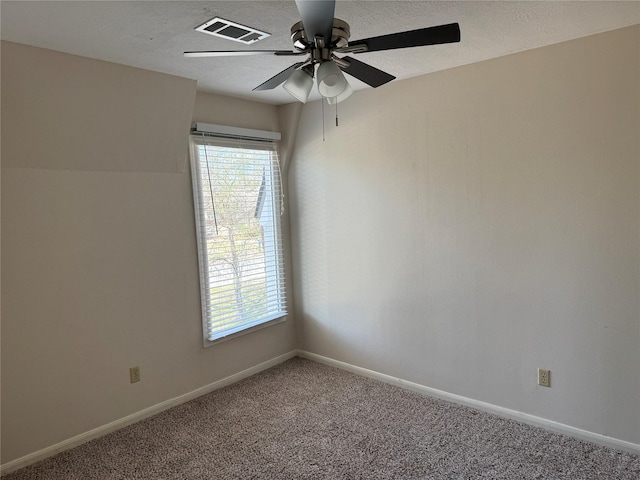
{"points": [[299, 85], [331, 81], [343, 96]]}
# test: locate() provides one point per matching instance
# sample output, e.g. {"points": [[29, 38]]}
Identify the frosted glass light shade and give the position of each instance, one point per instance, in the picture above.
{"points": [[331, 81], [343, 96], [299, 85]]}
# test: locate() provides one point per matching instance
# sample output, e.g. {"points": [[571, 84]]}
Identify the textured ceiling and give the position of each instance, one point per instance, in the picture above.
{"points": [[153, 35]]}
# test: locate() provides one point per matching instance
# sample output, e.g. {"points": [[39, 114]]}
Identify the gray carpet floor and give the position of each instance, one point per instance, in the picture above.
{"points": [[305, 420]]}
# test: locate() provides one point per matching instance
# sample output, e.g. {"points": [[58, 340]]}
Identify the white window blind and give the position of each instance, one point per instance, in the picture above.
{"points": [[238, 203]]}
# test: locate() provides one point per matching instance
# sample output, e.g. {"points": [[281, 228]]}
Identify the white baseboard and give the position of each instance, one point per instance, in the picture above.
{"points": [[141, 415], [160, 407], [487, 407]]}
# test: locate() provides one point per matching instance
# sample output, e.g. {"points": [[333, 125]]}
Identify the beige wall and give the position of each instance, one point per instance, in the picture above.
{"points": [[99, 268], [461, 229]]}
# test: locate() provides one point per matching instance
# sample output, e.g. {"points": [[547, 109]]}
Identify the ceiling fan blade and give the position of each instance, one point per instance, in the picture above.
{"points": [[279, 78], [366, 73], [317, 18], [239, 53], [414, 38]]}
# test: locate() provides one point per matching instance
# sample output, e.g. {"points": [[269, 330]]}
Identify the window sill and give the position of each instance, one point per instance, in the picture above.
{"points": [[269, 323]]}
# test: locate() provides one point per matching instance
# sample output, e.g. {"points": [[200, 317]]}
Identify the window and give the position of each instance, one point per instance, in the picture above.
{"points": [[238, 203]]}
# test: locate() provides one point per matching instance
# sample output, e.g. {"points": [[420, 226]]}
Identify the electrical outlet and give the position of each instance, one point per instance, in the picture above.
{"points": [[544, 377], [134, 374]]}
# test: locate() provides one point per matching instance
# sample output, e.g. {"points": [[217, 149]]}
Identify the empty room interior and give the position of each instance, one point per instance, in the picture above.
{"points": [[467, 232]]}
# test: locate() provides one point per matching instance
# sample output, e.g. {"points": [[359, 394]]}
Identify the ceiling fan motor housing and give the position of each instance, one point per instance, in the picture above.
{"points": [[340, 34]]}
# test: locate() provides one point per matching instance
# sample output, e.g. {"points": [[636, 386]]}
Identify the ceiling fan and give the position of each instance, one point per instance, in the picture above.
{"points": [[319, 37]]}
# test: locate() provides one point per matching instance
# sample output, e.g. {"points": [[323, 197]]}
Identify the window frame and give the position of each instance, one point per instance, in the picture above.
{"points": [[196, 140]]}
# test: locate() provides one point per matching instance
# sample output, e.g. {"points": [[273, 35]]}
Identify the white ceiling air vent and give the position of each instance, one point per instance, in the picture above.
{"points": [[232, 31]]}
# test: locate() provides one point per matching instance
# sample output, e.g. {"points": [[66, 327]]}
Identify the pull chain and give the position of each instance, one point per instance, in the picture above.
{"points": [[213, 204], [337, 114], [322, 102]]}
